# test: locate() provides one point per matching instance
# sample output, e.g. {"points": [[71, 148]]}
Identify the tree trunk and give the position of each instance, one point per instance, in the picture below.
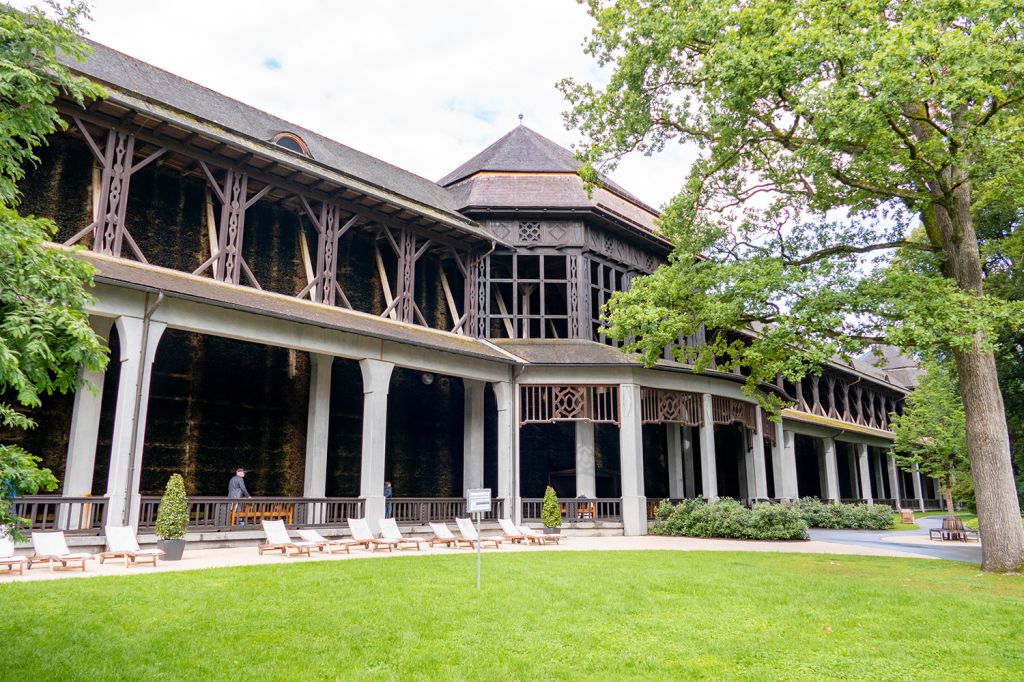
{"points": [[947, 492], [988, 448], [988, 439]]}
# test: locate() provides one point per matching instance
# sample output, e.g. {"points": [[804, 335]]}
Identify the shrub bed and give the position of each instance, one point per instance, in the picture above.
{"points": [[820, 514], [728, 518]]}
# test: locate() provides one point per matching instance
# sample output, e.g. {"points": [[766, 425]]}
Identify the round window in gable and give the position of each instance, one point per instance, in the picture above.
{"points": [[292, 143]]}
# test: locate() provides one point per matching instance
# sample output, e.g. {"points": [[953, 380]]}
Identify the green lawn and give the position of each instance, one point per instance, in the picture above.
{"points": [[541, 615]]}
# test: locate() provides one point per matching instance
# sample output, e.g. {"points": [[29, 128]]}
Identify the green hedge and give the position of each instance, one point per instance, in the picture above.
{"points": [[820, 514], [728, 518]]}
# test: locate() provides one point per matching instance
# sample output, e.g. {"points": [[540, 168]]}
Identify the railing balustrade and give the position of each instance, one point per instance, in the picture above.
{"points": [[423, 510], [577, 509], [652, 504], [73, 515], [230, 513], [912, 503], [886, 500]]}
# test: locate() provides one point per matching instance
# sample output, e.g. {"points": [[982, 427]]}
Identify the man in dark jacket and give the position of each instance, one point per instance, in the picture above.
{"points": [[236, 488]]}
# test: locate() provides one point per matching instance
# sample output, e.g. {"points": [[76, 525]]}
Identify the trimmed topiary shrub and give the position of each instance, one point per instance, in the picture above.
{"points": [[550, 511], [172, 517]]}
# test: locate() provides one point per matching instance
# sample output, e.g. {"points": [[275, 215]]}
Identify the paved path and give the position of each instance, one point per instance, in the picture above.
{"points": [[247, 556], [915, 541]]}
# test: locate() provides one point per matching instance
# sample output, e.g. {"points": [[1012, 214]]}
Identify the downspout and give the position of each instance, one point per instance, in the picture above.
{"points": [[132, 445]]}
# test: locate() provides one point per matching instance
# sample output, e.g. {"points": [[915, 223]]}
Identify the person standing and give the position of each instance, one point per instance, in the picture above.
{"points": [[388, 506], [237, 489]]}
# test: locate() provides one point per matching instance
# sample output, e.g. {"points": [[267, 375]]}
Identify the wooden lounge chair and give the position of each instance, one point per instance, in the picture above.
{"points": [[953, 529], [470, 535], [7, 557], [278, 538], [540, 538], [362, 535], [443, 536], [310, 535], [121, 541], [389, 531], [52, 548], [512, 534]]}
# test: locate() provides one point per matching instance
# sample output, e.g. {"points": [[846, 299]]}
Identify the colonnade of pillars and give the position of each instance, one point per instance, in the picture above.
{"points": [[139, 339]]}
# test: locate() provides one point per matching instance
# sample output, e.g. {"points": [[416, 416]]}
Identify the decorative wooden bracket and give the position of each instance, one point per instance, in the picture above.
{"points": [[116, 161]]}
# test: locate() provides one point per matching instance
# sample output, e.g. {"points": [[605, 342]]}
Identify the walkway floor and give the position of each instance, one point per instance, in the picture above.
{"points": [[915, 541], [822, 542]]}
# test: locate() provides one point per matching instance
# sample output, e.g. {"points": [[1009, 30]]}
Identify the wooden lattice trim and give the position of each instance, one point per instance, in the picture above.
{"points": [[663, 406], [547, 404]]}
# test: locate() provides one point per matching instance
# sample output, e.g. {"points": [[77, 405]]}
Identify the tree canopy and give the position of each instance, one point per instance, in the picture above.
{"points": [[931, 434], [846, 151], [45, 336]]}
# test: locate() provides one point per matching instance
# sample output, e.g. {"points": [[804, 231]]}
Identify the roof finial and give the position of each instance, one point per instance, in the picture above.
{"points": [[520, 119]]}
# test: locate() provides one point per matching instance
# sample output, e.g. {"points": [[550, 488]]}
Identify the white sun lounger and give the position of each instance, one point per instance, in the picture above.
{"points": [[52, 548], [443, 536], [310, 535], [512, 534], [278, 538], [7, 557], [389, 531], [121, 541], [362, 535], [539, 538], [470, 535]]}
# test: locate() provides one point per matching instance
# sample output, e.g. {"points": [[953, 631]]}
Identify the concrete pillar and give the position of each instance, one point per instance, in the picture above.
{"points": [[828, 446], [85, 424], [631, 452], [676, 479], [894, 482], [777, 452], [745, 466], [473, 435], [132, 404], [318, 425], [760, 491], [376, 381], [865, 472], [586, 468], [708, 470], [790, 489], [879, 478], [507, 457], [917, 487], [689, 480]]}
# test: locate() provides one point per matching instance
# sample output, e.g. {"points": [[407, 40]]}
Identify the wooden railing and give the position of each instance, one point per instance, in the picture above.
{"points": [[73, 515], [577, 509], [653, 502], [852, 500], [886, 500], [423, 510], [227, 513], [912, 503]]}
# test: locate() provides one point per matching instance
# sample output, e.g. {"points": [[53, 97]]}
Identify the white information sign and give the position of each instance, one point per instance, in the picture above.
{"points": [[478, 500]]}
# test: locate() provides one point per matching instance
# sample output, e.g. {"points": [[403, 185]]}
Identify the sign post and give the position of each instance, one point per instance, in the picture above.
{"points": [[478, 501]]}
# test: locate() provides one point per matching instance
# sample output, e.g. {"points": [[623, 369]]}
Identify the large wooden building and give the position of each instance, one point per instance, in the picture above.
{"points": [[276, 300]]}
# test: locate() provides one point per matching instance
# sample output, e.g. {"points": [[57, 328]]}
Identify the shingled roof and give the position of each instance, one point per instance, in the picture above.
{"points": [[523, 150], [125, 73]]}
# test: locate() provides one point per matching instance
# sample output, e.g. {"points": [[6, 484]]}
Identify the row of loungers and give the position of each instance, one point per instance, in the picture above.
{"points": [[52, 549], [278, 538]]}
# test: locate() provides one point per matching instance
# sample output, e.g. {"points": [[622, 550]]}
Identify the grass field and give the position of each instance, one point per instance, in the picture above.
{"points": [[541, 615]]}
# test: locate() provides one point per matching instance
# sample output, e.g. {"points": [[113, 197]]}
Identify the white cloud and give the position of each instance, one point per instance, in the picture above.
{"points": [[423, 85]]}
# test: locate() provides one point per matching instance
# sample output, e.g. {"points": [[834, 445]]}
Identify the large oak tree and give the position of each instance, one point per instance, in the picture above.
{"points": [[45, 336], [828, 130]]}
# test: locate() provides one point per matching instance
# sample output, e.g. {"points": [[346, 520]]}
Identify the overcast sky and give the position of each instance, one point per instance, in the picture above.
{"points": [[423, 85]]}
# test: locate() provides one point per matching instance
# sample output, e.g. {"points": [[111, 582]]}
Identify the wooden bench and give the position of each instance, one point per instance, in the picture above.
{"points": [[953, 529]]}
